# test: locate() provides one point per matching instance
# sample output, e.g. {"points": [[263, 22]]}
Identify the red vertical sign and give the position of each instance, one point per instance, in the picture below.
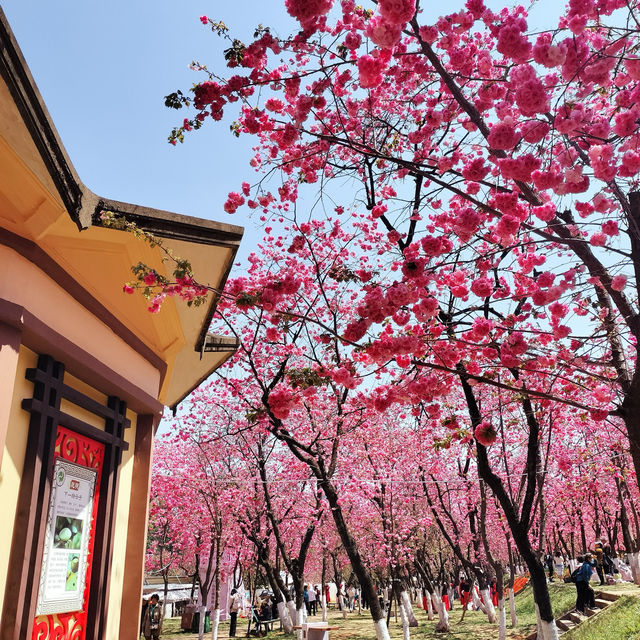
{"points": [[88, 453]]}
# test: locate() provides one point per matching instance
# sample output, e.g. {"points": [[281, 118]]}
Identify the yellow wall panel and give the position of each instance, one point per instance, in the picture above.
{"points": [[13, 458]]}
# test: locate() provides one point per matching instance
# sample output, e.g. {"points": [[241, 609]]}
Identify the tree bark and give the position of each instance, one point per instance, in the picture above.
{"points": [[519, 524], [357, 564]]}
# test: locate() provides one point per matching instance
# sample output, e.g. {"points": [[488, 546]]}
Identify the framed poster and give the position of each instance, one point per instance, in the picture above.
{"points": [[66, 545]]}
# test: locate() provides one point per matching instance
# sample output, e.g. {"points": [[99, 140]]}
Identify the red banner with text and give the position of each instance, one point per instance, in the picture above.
{"points": [[67, 558]]}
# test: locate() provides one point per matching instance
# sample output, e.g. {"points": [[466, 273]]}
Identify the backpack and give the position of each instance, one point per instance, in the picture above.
{"points": [[574, 575]]}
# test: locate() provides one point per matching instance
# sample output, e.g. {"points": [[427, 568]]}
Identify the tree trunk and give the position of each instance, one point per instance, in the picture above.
{"points": [[404, 598], [546, 630], [512, 608], [291, 606], [342, 604], [404, 619], [357, 564], [583, 535], [630, 409], [629, 543], [194, 582], [519, 529], [429, 606], [512, 581], [215, 614], [203, 611], [293, 613], [164, 595], [481, 603], [275, 581], [215, 623], [323, 589], [443, 615], [283, 615], [502, 620], [634, 565]]}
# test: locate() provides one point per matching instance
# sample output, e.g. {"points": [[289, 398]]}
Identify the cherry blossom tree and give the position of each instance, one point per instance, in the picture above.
{"points": [[191, 476], [481, 234], [443, 119]]}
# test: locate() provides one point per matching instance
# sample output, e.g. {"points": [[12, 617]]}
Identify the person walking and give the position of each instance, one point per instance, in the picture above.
{"points": [[233, 608], [305, 597], [313, 604], [493, 591], [465, 585], [152, 620], [351, 594], [599, 554], [548, 561], [558, 564], [585, 595]]}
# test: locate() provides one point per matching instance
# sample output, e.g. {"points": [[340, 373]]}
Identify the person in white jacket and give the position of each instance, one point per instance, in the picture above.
{"points": [[233, 608]]}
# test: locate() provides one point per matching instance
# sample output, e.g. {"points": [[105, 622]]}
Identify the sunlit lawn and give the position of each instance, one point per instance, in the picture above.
{"points": [[620, 621], [474, 627]]}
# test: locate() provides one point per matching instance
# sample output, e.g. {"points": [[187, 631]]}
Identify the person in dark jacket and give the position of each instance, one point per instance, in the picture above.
{"points": [[548, 561], [607, 562], [585, 596], [152, 621], [145, 604], [305, 597], [265, 609]]}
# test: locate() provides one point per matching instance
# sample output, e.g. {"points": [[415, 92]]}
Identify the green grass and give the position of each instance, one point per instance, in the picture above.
{"points": [[563, 598], [475, 626], [620, 621]]}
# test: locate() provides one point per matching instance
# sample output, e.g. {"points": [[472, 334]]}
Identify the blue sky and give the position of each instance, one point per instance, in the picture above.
{"points": [[103, 69]]}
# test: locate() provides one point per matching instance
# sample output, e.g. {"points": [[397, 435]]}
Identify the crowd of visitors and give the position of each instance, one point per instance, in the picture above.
{"points": [[599, 563]]}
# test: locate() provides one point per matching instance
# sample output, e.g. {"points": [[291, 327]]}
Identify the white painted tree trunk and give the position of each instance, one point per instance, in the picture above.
{"points": [[429, 607], [291, 608], [549, 630], [512, 608], [323, 602], [300, 620], [490, 610], [502, 620], [441, 609], [215, 623], [382, 633], [475, 599], [203, 611], [411, 617], [546, 630], [283, 614], [404, 619], [634, 565]]}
